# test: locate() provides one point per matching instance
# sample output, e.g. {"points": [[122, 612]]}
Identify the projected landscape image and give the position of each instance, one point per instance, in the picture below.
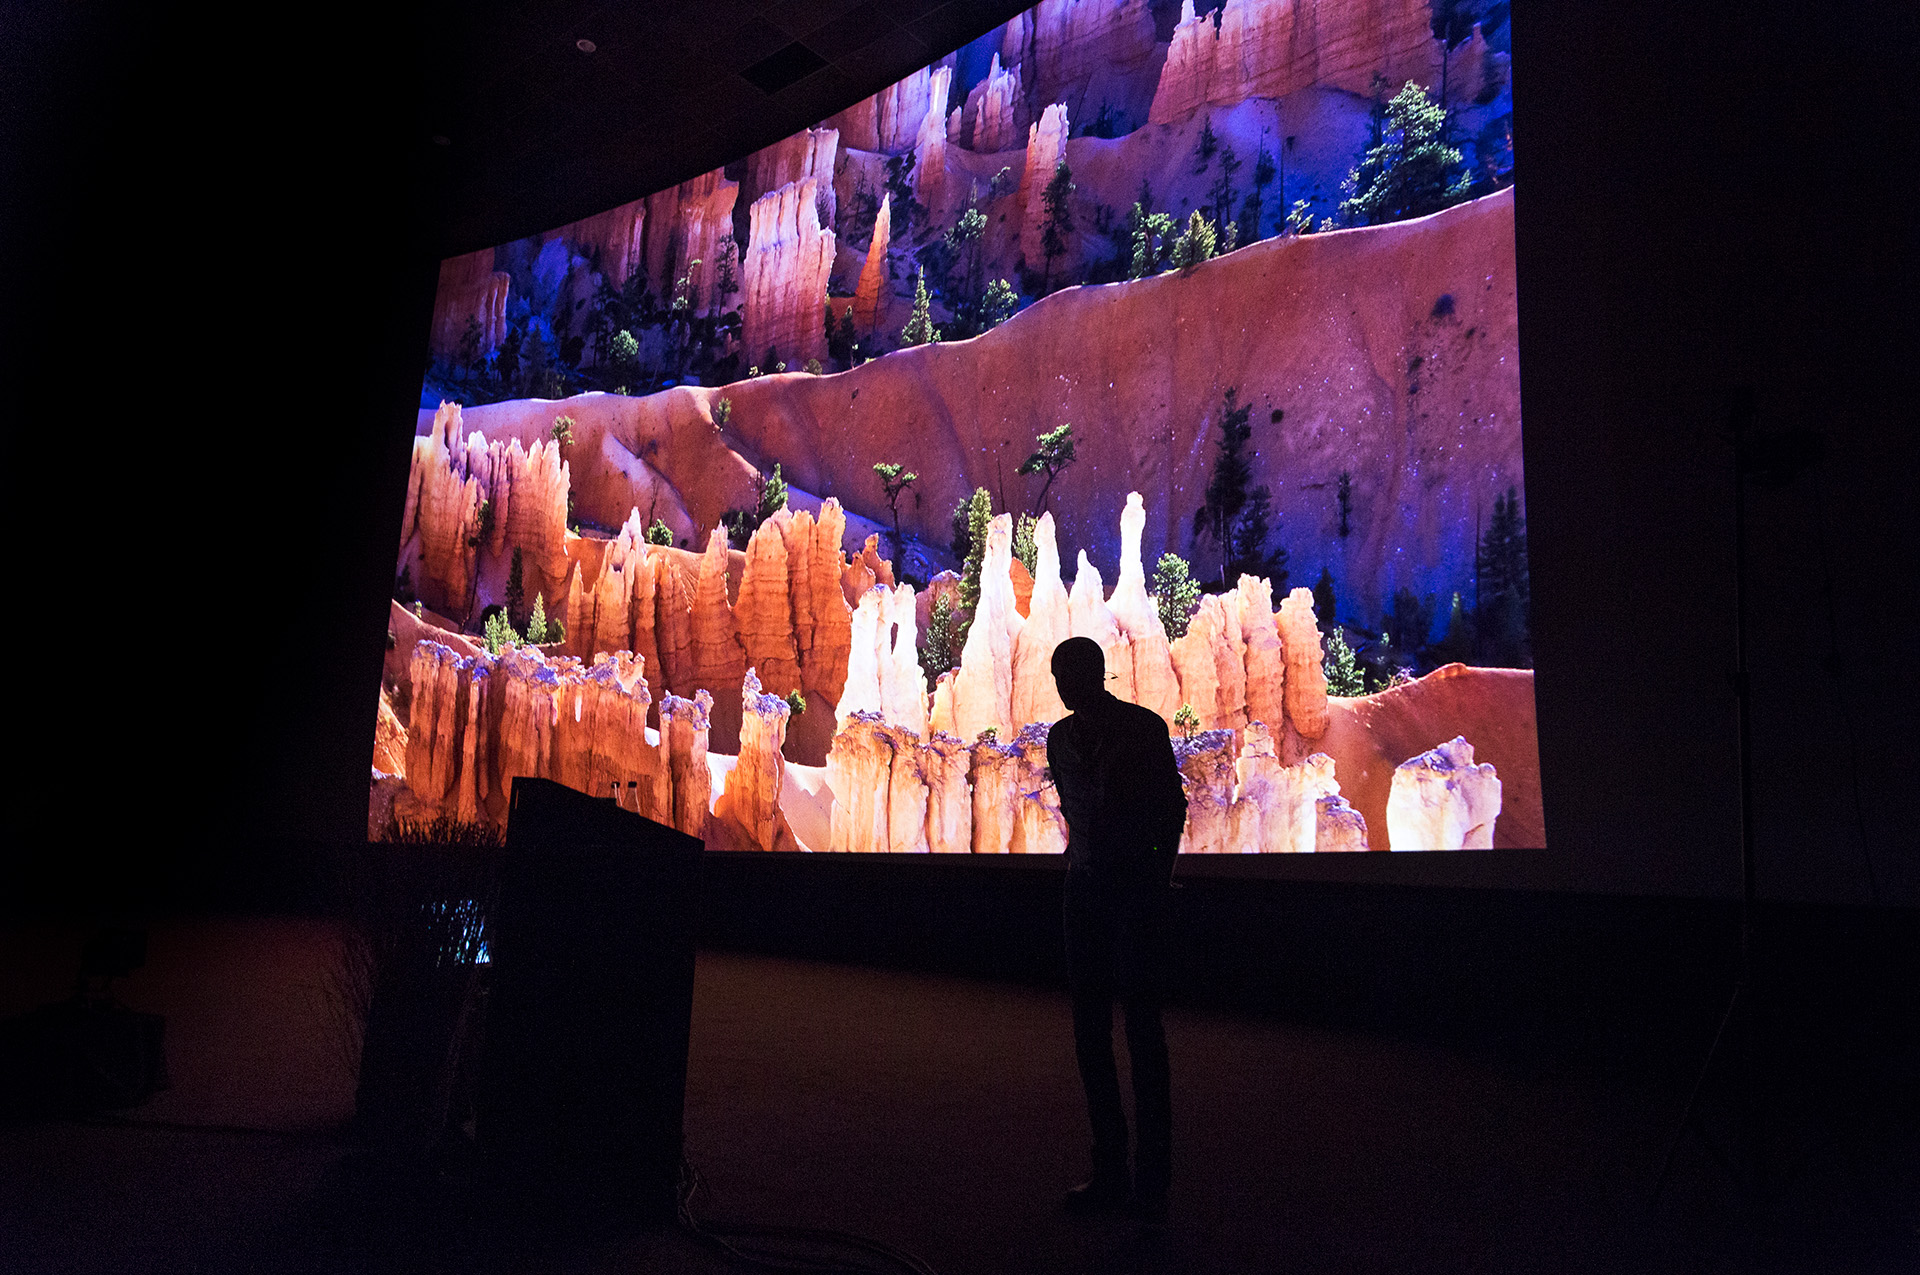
{"points": [[764, 500]]}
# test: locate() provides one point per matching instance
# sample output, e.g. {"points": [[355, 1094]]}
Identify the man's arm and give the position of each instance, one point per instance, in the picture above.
{"points": [[1168, 795]]}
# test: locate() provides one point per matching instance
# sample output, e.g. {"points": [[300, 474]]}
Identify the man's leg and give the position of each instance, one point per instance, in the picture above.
{"points": [[1142, 943], [1090, 942]]}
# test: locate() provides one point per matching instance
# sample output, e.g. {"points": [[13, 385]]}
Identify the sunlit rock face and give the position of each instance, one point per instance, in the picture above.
{"points": [[1091, 618], [870, 294], [1288, 798], [995, 776], [613, 611], [1206, 772], [945, 763], [1049, 622], [472, 296], [1339, 828], [997, 110], [859, 771], [903, 684], [683, 729], [864, 570], [1270, 48], [821, 618], [1086, 53], [389, 740], [531, 489], [763, 613], [1306, 680], [1442, 800], [1046, 147], [930, 142], [687, 223], [907, 795], [1253, 804], [861, 695], [470, 501], [808, 153], [1265, 659], [749, 805], [940, 713], [718, 662], [1155, 684], [983, 688], [789, 258], [478, 722], [890, 121], [441, 522], [1039, 827]]}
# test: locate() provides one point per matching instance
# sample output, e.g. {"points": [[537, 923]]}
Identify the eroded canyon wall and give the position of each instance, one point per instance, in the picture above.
{"points": [[1388, 353], [1270, 48]]}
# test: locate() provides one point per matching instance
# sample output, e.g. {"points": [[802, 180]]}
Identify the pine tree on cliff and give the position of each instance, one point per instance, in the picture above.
{"points": [[1343, 674], [1253, 211], [1219, 514], [537, 622], [1052, 453], [1220, 195], [1504, 587], [1176, 594], [1250, 532], [1152, 235], [1456, 646], [936, 647], [773, 496], [516, 589], [1058, 222], [1025, 550], [979, 517], [967, 277], [1196, 243], [920, 329], [998, 305], [1204, 149], [1324, 601], [1411, 171], [894, 480]]}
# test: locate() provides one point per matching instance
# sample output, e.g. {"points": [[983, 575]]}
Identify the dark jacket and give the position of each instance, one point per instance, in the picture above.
{"points": [[1119, 789]]}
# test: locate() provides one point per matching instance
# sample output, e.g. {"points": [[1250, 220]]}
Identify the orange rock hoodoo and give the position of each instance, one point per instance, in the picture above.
{"points": [[1086, 53], [789, 257], [467, 497], [1046, 146], [808, 153], [891, 120], [472, 292], [901, 774], [996, 109], [477, 722], [869, 294], [1270, 48]]}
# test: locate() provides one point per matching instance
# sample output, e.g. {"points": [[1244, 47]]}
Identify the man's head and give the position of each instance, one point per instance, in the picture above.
{"points": [[1080, 672]]}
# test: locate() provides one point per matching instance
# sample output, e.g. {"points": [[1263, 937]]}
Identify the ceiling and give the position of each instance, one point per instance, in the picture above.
{"points": [[521, 130]]}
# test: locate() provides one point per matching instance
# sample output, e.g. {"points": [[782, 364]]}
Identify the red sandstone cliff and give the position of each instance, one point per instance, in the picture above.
{"points": [[1346, 334]]}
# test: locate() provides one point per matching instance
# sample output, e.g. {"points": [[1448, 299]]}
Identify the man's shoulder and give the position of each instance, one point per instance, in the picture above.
{"points": [[1139, 717]]}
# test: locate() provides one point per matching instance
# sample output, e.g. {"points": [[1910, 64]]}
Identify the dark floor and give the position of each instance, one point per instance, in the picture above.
{"points": [[943, 1116]]}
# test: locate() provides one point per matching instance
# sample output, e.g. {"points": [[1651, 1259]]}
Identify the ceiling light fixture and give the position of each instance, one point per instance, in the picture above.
{"points": [[585, 45]]}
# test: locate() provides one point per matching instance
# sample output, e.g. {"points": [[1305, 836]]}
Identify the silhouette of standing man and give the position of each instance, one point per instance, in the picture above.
{"points": [[1120, 791]]}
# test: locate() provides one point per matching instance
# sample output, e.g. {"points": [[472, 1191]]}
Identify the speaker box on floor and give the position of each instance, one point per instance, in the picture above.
{"points": [[592, 951]]}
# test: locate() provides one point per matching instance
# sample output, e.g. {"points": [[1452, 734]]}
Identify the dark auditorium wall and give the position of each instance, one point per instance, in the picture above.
{"points": [[221, 253]]}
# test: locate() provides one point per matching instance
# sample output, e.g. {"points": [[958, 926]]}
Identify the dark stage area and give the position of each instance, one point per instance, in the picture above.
{"points": [[1400, 1080]]}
